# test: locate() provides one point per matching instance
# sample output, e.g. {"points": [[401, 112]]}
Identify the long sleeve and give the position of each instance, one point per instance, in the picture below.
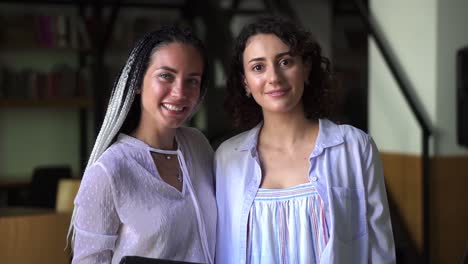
{"points": [[96, 221], [381, 244]]}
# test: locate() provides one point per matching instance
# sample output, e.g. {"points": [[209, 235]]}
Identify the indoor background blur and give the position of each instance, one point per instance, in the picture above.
{"points": [[402, 76]]}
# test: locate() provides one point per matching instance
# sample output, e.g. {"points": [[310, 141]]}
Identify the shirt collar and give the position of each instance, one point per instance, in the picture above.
{"points": [[250, 141], [329, 135], [124, 138]]}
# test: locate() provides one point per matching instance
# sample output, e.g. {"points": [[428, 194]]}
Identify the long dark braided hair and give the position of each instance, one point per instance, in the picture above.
{"points": [[123, 111]]}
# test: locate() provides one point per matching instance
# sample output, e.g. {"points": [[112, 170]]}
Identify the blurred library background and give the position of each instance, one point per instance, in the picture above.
{"points": [[401, 69]]}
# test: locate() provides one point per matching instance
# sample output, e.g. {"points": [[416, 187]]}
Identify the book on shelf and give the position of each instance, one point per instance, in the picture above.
{"points": [[40, 31], [62, 82]]}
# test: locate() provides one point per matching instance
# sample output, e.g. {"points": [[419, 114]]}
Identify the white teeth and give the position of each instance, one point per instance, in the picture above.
{"points": [[173, 108]]}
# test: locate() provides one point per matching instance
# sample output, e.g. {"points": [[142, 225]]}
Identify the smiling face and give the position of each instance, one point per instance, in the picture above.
{"points": [[273, 76], [171, 86]]}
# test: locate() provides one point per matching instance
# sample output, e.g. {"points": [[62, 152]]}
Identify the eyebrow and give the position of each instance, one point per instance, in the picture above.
{"points": [[175, 71], [279, 55]]}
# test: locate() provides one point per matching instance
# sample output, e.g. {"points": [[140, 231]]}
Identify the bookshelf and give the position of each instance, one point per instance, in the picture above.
{"points": [[46, 99], [58, 60], [76, 102]]}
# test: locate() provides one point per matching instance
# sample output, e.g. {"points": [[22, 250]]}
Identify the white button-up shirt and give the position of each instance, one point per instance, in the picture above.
{"points": [[345, 168]]}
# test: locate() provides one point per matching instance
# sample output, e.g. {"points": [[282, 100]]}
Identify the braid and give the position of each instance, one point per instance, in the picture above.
{"points": [[123, 111]]}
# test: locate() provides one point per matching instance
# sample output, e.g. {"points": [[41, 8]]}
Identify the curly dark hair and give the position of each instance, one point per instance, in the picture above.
{"points": [[245, 112]]}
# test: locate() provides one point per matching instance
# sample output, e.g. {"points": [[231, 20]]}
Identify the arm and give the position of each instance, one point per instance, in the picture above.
{"points": [[96, 221], [381, 245]]}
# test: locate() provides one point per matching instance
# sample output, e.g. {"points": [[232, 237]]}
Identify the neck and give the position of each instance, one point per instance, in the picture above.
{"points": [[156, 138], [288, 130]]}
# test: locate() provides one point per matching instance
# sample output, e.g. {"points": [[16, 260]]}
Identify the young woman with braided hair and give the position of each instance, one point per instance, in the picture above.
{"points": [[148, 187]]}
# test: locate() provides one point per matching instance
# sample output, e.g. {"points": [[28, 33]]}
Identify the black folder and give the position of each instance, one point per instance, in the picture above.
{"points": [[143, 260]]}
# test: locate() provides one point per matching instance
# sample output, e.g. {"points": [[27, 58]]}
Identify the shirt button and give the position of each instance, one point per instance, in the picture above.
{"points": [[314, 179]]}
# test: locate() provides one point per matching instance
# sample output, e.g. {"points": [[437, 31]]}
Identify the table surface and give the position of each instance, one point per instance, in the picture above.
{"points": [[24, 211], [6, 183]]}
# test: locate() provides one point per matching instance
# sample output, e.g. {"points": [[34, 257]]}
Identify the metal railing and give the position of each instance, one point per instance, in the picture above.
{"points": [[412, 101]]}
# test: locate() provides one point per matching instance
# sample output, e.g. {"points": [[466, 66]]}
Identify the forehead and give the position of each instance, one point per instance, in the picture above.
{"points": [[177, 55], [261, 45]]}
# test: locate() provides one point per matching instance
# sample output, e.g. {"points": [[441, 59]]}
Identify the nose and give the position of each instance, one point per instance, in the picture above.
{"points": [[178, 90], [274, 75]]}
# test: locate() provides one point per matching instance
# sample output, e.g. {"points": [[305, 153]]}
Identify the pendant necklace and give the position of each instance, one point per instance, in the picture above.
{"points": [[179, 176]]}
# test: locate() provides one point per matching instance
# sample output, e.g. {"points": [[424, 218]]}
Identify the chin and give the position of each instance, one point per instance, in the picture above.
{"points": [[279, 108], [176, 124]]}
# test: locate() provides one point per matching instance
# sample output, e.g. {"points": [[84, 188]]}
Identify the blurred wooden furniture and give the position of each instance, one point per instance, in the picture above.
{"points": [[11, 183], [10, 189], [33, 236], [66, 192]]}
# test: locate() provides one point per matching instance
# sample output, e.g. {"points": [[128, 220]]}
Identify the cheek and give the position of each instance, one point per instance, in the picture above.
{"points": [[194, 94], [296, 77], [253, 81], [159, 89]]}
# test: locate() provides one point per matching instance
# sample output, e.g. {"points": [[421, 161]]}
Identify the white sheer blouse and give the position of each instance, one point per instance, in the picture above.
{"points": [[125, 208]]}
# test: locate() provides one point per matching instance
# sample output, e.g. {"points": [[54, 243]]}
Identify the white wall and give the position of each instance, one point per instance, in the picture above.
{"points": [[410, 29], [37, 137], [452, 34], [425, 36]]}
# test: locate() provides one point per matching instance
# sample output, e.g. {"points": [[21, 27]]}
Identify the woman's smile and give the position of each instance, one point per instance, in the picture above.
{"points": [[277, 93]]}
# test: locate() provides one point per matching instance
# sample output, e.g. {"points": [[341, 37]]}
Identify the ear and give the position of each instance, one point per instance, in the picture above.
{"points": [[246, 86]]}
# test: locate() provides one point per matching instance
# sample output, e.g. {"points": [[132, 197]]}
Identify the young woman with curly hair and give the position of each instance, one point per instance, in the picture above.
{"points": [[295, 187]]}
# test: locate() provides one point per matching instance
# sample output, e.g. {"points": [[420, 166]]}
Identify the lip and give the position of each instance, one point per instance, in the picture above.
{"points": [[174, 109], [277, 92]]}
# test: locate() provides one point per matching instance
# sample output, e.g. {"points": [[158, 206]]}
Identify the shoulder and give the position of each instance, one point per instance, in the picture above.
{"points": [[193, 139], [97, 176], [192, 133], [354, 135], [234, 143], [233, 151], [357, 141], [114, 154], [114, 159], [350, 135]]}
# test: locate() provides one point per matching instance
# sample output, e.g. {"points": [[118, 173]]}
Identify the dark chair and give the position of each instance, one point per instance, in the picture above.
{"points": [[43, 190]]}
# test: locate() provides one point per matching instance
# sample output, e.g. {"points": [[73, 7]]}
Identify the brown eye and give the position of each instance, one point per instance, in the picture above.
{"points": [[285, 62], [257, 68]]}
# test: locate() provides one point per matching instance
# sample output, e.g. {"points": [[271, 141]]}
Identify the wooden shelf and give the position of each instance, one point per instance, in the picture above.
{"points": [[78, 102], [21, 47]]}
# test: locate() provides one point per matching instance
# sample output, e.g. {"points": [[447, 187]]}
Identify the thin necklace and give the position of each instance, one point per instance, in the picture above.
{"points": [[168, 156], [179, 176]]}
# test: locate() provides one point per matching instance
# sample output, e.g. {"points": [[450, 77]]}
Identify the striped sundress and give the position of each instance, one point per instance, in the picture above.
{"points": [[287, 226]]}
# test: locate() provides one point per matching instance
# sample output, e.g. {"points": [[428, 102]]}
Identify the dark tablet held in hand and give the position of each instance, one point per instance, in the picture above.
{"points": [[143, 260]]}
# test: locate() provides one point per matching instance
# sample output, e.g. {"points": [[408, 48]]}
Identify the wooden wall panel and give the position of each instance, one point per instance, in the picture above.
{"points": [[449, 209], [403, 180], [34, 239], [448, 201]]}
